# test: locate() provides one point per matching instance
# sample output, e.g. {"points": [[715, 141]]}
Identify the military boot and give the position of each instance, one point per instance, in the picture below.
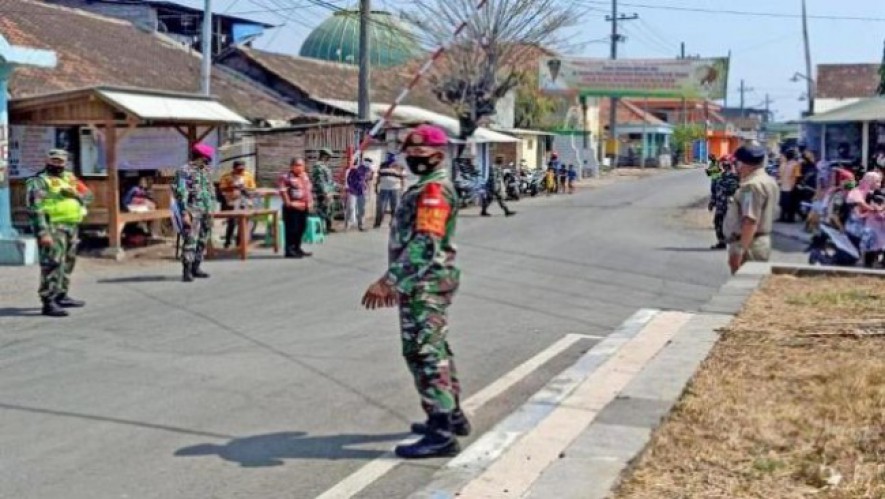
{"points": [[196, 272], [186, 275], [437, 442], [460, 425], [52, 309], [65, 301]]}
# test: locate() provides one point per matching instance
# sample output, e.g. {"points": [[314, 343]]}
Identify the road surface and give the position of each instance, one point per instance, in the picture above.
{"points": [[268, 380]]}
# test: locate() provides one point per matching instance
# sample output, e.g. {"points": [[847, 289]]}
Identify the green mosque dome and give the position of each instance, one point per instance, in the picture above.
{"points": [[338, 39]]}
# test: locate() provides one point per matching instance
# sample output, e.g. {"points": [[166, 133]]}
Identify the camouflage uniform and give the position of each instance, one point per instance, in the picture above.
{"points": [[493, 190], [422, 270], [193, 192], [723, 189], [323, 186], [58, 259]]}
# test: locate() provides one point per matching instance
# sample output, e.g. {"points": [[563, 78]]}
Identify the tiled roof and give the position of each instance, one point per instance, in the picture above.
{"points": [[847, 81], [331, 80], [95, 50], [628, 114]]}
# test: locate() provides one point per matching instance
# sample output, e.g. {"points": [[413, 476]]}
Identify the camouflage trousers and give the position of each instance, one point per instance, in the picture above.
{"points": [[195, 236], [323, 209], [57, 261], [424, 327]]}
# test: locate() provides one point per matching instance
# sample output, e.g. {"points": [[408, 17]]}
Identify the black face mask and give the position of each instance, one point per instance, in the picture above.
{"points": [[420, 165], [55, 170]]}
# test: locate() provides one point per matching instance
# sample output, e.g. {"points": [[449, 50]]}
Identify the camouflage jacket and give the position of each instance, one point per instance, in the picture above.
{"points": [[193, 189], [421, 256], [38, 190], [724, 188], [493, 183], [321, 179]]}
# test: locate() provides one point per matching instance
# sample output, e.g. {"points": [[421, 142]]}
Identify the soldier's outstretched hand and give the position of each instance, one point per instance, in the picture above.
{"points": [[378, 295]]}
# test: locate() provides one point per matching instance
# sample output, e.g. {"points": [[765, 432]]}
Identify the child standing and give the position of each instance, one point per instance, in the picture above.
{"points": [[572, 178]]}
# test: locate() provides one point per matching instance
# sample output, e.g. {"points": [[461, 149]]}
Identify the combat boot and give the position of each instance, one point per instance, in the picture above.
{"points": [[460, 425], [52, 309], [509, 213], [437, 442], [65, 301], [186, 275], [196, 272]]}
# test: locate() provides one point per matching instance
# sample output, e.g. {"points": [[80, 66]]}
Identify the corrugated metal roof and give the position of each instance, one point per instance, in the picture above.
{"points": [[412, 115], [171, 107], [865, 110]]}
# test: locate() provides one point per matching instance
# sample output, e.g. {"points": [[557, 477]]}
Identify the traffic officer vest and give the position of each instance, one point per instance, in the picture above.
{"points": [[59, 208]]}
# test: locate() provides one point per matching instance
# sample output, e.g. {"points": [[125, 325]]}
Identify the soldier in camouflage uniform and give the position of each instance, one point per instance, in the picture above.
{"points": [[422, 278], [56, 202], [724, 185], [323, 188], [493, 189], [194, 194]]}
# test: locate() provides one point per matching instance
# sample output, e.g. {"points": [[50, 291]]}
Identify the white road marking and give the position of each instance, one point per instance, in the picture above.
{"points": [[521, 465], [368, 474]]}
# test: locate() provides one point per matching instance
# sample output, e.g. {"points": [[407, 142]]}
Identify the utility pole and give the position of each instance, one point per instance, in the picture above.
{"points": [[684, 103], [363, 99], [615, 39], [808, 73], [206, 67], [768, 103], [743, 89]]}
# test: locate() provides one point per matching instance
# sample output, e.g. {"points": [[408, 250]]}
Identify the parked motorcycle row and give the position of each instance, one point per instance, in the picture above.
{"points": [[518, 183]]}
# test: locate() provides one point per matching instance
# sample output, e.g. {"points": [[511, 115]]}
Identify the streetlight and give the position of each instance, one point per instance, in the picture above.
{"points": [[810, 94]]}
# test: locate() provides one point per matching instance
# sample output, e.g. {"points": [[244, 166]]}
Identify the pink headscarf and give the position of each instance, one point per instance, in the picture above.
{"points": [[869, 183]]}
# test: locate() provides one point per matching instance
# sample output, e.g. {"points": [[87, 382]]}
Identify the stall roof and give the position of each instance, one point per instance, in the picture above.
{"points": [[866, 110], [163, 106], [142, 104], [410, 115]]}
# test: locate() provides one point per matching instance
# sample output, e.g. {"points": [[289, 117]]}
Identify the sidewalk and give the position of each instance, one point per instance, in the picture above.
{"points": [[575, 438]]}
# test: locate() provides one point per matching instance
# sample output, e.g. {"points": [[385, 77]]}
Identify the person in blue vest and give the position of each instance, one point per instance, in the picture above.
{"points": [[56, 202]]}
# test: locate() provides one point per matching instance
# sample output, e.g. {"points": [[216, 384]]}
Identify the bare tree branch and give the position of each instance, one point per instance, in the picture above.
{"points": [[488, 59]]}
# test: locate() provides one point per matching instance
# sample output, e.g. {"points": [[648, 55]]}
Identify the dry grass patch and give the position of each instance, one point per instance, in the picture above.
{"points": [[790, 403]]}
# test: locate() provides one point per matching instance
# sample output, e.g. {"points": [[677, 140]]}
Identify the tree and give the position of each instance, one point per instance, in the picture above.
{"points": [[684, 135], [534, 109], [484, 64]]}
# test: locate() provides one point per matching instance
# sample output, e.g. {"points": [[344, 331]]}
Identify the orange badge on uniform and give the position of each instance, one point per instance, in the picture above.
{"points": [[433, 211]]}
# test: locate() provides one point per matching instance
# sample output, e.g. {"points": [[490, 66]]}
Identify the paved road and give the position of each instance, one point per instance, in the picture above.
{"points": [[269, 381]]}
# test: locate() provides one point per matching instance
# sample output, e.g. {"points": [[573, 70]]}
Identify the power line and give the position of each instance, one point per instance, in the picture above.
{"points": [[781, 15]]}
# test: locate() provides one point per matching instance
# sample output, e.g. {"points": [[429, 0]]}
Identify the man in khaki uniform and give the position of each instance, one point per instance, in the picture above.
{"points": [[750, 213]]}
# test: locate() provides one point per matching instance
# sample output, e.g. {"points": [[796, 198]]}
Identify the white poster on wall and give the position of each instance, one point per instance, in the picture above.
{"points": [[27, 149], [152, 149]]}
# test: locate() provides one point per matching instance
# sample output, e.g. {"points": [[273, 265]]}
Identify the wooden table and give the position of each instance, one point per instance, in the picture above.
{"points": [[242, 217]]}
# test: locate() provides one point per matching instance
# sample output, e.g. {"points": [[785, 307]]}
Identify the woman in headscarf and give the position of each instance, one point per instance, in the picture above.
{"points": [[860, 208], [837, 210]]}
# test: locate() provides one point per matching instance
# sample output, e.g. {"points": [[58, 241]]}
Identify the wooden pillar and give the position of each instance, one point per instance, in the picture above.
{"points": [[114, 229]]}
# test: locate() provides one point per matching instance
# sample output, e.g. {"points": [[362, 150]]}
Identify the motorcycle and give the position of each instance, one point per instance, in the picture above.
{"points": [[511, 185], [468, 185]]}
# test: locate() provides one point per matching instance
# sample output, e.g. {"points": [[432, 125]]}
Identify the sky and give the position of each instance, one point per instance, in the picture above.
{"points": [[766, 48]]}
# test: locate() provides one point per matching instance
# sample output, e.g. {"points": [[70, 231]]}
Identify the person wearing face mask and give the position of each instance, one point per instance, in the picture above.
{"points": [[56, 202], [750, 215], [422, 279], [194, 194], [296, 191]]}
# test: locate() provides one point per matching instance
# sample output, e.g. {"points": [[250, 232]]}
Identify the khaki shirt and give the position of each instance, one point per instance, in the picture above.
{"points": [[755, 199]]}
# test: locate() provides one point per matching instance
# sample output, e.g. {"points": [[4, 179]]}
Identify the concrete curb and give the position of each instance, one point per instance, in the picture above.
{"points": [[488, 448], [594, 464]]}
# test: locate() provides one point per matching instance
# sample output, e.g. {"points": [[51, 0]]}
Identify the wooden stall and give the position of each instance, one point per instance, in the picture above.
{"points": [[111, 114]]}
